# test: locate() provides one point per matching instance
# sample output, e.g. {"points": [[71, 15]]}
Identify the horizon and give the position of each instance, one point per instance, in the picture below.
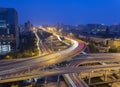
{"points": [[67, 12]]}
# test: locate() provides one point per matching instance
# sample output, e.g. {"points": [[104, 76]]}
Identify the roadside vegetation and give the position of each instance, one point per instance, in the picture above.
{"points": [[114, 49]]}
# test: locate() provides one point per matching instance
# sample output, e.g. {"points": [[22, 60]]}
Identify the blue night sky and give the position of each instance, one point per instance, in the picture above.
{"points": [[65, 11]]}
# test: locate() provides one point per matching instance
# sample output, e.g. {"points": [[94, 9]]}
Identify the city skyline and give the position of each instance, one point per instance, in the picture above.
{"points": [[67, 12], [60, 43]]}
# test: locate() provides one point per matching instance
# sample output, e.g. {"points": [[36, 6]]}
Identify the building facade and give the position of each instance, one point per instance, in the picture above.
{"points": [[28, 26], [9, 33], [113, 42]]}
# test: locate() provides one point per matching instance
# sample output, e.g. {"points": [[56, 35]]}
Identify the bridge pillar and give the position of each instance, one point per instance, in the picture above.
{"points": [[105, 76], [89, 80], [58, 81], [45, 81]]}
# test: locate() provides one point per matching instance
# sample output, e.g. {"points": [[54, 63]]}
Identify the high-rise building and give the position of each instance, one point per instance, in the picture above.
{"points": [[28, 26], [9, 33]]}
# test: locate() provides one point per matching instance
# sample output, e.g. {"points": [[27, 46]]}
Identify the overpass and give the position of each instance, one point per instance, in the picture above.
{"points": [[22, 66], [41, 73], [23, 69], [13, 76]]}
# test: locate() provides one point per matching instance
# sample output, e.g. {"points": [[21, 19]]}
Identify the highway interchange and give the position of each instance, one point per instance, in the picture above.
{"points": [[21, 69], [38, 62]]}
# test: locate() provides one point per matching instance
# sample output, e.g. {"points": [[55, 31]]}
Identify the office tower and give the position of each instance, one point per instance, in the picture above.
{"points": [[9, 33]]}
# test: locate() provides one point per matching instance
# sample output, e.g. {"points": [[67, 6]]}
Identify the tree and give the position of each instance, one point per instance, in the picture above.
{"points": [[93, 48]]}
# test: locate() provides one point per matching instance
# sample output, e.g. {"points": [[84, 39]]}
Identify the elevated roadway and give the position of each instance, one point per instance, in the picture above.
{"points": [[41, 73], [33, 68], [23, 66], [9, 75], [91, 58]]}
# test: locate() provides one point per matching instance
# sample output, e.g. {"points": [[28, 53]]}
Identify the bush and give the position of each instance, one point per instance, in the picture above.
{"points": [[8, 57]]}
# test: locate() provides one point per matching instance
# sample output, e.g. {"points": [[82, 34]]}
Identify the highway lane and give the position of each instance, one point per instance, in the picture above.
{"points": [[74, 76], [4, 64], [29, 61], [103, 57], [79, 82], [12, 61], [65, 70], [53, 59], [20, 66], [91, 58], [85, 60], [45, 61], [60, 57], [97, 60], [77, 60], [73, 79], [68, 80], [71, 67]]}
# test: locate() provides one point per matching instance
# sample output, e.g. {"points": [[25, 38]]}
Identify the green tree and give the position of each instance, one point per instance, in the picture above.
{"points": [[93, 47]]}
